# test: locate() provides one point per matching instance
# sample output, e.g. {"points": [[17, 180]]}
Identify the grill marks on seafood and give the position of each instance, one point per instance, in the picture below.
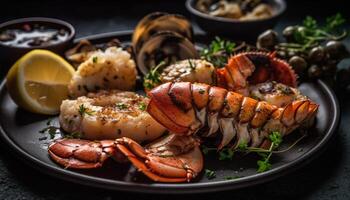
{"points": [[186, 108], [109, 115], [111, 69]]}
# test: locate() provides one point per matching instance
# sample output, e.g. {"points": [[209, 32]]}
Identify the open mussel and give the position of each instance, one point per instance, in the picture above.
{"points": [[158, 22], [164, 46]]}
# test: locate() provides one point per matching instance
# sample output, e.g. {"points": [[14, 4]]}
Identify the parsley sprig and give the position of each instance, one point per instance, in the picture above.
{"points": [[264, 163], [218, 52]]}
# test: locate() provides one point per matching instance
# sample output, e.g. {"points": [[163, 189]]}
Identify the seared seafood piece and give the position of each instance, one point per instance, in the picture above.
{"points": [[111, 69], [172, 158], [110, 115], [185, 108], [84, 49], [276, 94], [157, 22], [190, 70], [164, 46], [251, 68]]}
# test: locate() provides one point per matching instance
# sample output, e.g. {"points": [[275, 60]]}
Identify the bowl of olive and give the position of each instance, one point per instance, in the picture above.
{"points": [[20, 36], [236, 19]]}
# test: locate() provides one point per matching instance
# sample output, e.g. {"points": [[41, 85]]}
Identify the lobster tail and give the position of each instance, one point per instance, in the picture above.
{"points": [[185, 108]]}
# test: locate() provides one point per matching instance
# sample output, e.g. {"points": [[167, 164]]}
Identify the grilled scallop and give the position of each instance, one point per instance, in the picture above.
{"points": [[111, 69]]}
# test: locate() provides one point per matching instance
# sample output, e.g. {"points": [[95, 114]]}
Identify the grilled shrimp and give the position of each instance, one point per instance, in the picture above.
{"points": [[185, 108], [109, 115], [111, 69]]}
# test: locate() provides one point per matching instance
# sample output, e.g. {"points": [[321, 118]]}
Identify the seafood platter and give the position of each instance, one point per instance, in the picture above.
{"points": [[161, 109]]}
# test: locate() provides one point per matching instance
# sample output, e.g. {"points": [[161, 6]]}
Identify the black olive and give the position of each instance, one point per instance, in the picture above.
{"points": [[298, 63], [267, 40], [288, 33], [316, 54], [314, 71], [330, 68], [282, 54], [336, 50]]}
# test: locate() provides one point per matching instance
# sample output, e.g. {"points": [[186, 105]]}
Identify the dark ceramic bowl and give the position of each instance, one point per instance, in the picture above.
{"points": [[236, 29], [9, 54]]}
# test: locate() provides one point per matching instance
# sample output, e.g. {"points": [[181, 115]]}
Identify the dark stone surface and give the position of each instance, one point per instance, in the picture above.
{"points": [[327, 177]]}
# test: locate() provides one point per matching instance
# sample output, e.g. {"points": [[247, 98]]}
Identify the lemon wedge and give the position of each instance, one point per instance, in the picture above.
{"points": [[38, 81]]}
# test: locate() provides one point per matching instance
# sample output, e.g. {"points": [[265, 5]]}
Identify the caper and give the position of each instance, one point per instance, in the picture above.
{"points": [[267, 40], [335, 49], [288, 33], [298, 63], [314, 71], [316, 54]]}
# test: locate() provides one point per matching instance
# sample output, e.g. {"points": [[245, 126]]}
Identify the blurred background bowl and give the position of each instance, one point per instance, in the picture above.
{"points": [[9, 54], [234, 28]]}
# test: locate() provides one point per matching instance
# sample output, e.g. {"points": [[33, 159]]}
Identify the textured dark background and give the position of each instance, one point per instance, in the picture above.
{"points": [[328, 177]]}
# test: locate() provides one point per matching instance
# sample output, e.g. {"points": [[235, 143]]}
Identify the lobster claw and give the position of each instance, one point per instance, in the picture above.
{"points": [[173, 158], [83, 154]]}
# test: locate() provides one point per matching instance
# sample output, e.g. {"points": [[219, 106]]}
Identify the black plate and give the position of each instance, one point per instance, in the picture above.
{"points": [[20, 130]]}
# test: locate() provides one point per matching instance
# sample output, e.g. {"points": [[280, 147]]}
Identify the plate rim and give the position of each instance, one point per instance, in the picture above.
{"points": [[179, 188]]}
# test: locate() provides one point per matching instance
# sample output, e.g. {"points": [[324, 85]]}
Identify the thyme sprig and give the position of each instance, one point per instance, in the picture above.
{"points": [[153, 77]]}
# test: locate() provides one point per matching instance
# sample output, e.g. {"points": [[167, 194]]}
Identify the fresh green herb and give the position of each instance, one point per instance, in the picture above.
{"points": [[218, 52], [226, 154], [51, 130], [264, 164], [201, 91], [243, 146], [94, 59], [205, 149], [276, 138], [48, 123], [74, 135], [192, 66], [310, 34], [210, 174], [231, 177], [142, 106], [121, 106], [153, 77], [83, 110]]}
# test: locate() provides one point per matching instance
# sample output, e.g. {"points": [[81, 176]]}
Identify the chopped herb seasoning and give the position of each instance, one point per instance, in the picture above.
{"points": [[142, 106], [226, 154], [192, 66], [74, 135], [201, 91], [210, 174], [83, 110], [51, 130], [94, 59], [121, 106]]}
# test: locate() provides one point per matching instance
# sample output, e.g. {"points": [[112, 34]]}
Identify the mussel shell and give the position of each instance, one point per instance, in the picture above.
{"points": [[164, 46], [158, 22]]}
